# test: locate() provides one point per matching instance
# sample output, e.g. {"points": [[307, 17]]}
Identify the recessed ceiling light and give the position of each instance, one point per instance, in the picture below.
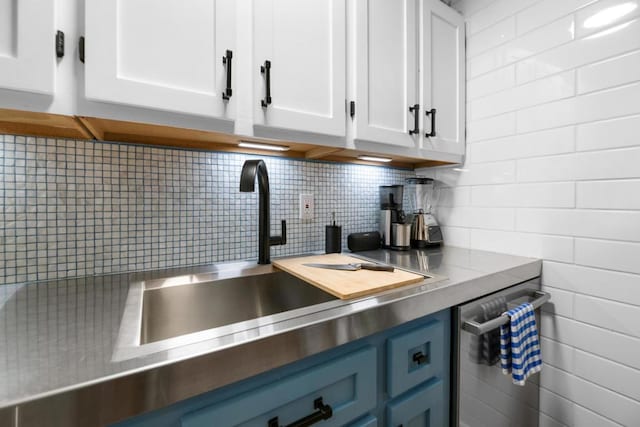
{"points": [[259, 146], [375, 159]]}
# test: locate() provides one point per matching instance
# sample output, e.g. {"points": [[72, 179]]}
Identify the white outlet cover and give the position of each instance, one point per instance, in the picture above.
{"points": [[306, 206]]}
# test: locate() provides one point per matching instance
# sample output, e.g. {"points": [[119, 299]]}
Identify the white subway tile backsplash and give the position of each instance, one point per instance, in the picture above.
{"points": [[617, 194], [585, 418], [610, 164], [494, 12], [527, 95], [544, 195], [477, 174], [492, 127], [457, 236], [606, 402], [602, 342], [561, 302], [596, 47], [544, 143], [556, 248], [454, 196], [605, 14], [556, 354], [559, 410], [491, 37], [539, 40], [545, 11], [620, 256], [616, 133], [492, 218], [611, 103], [608, 284], [619, 378], [608, 314], [617, 71], [494, 81]]}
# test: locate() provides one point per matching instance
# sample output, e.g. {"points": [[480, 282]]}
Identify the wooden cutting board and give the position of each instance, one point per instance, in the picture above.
{"points": [[341, 283]]}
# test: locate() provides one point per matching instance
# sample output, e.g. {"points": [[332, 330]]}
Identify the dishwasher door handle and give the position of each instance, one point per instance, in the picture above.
{"points": [[482, 328]]}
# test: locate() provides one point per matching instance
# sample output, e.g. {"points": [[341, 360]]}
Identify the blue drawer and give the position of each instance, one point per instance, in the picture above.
{"points": [[415, 356], [424, 406], [347, 384]]}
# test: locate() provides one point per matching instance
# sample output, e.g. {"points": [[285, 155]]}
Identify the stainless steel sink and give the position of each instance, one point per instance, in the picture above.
{"points": [[177, 310]]}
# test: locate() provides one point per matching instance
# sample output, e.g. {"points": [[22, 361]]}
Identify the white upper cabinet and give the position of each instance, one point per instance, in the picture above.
{"points": [[386, 72], [299, 65], [442, 77], [161, 54], [408, 60], [27, 42]]}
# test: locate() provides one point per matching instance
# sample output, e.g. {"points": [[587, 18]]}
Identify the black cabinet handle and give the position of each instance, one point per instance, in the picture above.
{"points": [[431, 113], [419, 358], [266, 70], [323, 412], [226, 59], [416, 113]]}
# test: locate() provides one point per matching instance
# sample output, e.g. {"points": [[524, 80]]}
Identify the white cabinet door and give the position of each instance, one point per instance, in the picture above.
{"points": [[385, 71], [304, 43], [442, 77], [27, 54], [160, 54]]}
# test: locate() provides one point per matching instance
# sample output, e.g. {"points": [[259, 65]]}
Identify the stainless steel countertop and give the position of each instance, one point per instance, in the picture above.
{"points": [[60, 358]]}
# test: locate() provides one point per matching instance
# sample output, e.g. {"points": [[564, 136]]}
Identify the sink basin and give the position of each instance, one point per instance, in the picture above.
{"points": [[171, 311]]}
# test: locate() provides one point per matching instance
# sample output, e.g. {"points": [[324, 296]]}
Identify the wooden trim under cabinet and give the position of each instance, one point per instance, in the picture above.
{"points": [[83, 127]]}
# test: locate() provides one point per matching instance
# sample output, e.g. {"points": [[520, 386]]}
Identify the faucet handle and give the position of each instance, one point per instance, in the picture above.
{"points": [[279, 240]]}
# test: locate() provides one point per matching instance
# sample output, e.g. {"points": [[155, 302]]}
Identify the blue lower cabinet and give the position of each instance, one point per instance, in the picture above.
{"points": [[416, 356], [424, 407], [333, 393], [397, 376], [365, 422]]}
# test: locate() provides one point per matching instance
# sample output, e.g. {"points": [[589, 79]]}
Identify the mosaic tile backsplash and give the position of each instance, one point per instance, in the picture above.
{"points": [[76, 208]]}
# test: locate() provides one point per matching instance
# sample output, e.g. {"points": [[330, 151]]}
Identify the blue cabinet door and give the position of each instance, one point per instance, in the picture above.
{"points": [[346, 386], [422, 407], [416, 356]]}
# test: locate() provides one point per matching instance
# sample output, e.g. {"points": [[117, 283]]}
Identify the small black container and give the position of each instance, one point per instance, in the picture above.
{"points": [[333, 239]]}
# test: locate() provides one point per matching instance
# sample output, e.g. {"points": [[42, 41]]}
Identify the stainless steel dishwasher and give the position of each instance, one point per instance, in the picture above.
{"points": [[482, 396]]}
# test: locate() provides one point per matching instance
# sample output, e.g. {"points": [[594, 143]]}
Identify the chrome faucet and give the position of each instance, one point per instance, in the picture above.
{"points": [[250, 170]]}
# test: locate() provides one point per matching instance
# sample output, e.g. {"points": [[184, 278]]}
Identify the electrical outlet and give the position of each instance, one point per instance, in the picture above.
{"points": [[306, 206]]}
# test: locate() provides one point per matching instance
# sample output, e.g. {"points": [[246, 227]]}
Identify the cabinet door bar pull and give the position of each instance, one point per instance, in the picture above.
{"points": [[431, 113], [266, 70], [323, 412], [415, 109], [226, 59]]}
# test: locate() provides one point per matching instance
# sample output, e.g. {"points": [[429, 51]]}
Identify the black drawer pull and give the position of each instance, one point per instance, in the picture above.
{"points": [[431, 113], [420, 358], [266, 70], [416, 114], [226, 59], [323, 412]]}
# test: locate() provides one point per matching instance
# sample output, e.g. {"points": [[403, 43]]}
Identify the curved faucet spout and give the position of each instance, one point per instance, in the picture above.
{"points": [[250, 170]]}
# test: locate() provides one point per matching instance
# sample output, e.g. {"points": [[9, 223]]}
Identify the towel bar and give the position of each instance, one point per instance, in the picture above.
{"points": [[482, 328]]}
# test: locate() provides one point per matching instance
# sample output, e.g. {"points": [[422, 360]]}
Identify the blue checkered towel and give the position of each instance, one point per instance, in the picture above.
{"points": [[519, 345]]}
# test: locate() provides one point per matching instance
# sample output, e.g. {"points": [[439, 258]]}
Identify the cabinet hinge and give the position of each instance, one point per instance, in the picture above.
{"points": [[59, 44], [352, 109], [81, 49]]}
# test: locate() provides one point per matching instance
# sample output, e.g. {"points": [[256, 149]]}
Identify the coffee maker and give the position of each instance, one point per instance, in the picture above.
{"points": [[390, 212], [425, 231]]}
